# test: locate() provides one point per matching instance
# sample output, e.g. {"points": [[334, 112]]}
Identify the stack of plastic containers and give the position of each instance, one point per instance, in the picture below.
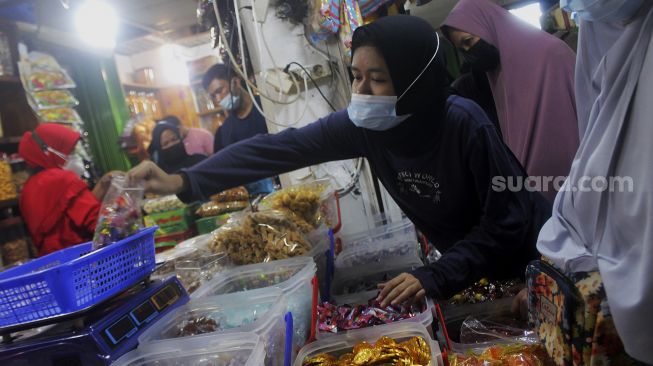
{"points": [[293, 276], [344, 343], [242, 349], [208, 320]]}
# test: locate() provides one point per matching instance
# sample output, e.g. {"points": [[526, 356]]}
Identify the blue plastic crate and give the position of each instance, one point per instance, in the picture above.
{"points": [[74, 279]]}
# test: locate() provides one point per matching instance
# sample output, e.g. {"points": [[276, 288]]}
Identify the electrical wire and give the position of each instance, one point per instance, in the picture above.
{"points": [[313, 81], [249, 90], [237, 68]]}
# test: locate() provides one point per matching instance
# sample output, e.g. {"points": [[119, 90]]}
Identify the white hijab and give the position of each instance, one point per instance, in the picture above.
{"points": [[612, 231]]}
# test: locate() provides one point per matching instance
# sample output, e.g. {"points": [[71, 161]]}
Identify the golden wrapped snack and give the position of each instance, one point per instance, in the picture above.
{"points": [[413, 352], [230, 195], [510, 354]]}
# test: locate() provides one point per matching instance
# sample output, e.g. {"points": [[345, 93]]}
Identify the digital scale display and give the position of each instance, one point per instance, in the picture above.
{"points": [[137, 318]]}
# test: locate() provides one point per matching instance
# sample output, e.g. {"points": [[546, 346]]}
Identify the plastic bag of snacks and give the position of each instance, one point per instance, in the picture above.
{"points": [[163, 204], [501, 354], [324, 19], [209, 209], [258, 237], [231, 195], [44, 80], [53, 98], [59, 115], [485, 290], [7, 187], [302, 202], [120, 213]]}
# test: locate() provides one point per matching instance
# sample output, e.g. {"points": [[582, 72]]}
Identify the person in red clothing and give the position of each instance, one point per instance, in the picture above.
{"points": [[57, 205]]}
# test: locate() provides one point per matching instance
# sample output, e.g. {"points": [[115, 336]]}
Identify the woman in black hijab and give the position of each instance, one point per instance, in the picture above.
{"points": [[168, 151], [438, 156]]}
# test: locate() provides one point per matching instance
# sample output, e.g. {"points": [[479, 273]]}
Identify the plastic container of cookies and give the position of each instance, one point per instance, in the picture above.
{"points": [[259, 313], [293, 276]]}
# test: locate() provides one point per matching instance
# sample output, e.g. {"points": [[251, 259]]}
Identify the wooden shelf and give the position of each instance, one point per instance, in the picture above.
{"points": [[9, 203], [16, 220], [211, 112], [9, 140], [9, 79]]}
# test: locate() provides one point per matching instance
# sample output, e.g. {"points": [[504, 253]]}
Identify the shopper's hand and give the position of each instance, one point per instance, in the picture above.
{"points": [[403, 288], [102, 185], [155, 179], [520, 304]]}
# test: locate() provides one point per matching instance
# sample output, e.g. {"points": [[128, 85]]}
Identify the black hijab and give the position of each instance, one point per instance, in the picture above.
{"points": [[407, 44], [182, 161]]}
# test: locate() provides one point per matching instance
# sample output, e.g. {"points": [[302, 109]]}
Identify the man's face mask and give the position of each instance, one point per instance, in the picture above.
{"points": [[604, 10], [75, 164], [482, 57], [379, 112], [232, 101]]}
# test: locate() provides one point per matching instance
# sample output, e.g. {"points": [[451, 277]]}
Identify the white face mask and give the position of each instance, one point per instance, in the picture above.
{"points": [[379, 112], [602, 10], [75, 164]]}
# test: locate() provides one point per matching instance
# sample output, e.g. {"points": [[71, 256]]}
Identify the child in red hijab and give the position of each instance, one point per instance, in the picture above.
{"points": [[57, 205]]}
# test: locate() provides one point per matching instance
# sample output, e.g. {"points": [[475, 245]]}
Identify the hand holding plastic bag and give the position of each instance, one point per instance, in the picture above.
{"points": [[120, 213]]}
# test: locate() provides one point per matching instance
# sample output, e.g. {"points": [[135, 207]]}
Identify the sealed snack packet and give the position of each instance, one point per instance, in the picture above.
{"points": [[302, 203], [59, 115], [209, 209], [231, 195], [120, 213], [45, 80], [163, 204], [502, 354], [53, 98]]}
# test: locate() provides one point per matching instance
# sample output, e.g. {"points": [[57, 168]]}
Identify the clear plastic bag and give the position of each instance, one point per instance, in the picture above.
{"points": [[163, 204], [502, 354], [302, 202], [231, 195], [120, 213], [53, 98], [209, 209], [59, 115], [257, 237], [498, 329]]}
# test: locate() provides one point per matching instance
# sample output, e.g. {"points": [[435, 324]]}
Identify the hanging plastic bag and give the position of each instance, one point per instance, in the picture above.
{"points": [[351, 19], [59, 115], [324, 19], [120, 213], [53, 98]]}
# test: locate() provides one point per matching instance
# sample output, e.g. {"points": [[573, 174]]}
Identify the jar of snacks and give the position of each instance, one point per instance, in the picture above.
{"points": [[7, 187], [13, 241]]}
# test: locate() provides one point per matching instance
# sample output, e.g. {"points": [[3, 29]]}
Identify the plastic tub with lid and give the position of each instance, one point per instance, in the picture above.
{"points": [[344, 343], [366, 277], [293, 276], [397, 245], [235, 349], [425, 317], [261, 313]]}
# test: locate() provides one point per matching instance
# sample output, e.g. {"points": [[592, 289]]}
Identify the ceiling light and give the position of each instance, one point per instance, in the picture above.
{"points": [[97, 24]]}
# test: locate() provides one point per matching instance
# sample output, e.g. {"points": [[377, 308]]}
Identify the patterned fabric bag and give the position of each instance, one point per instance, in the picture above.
{"points": [[570, 314]]}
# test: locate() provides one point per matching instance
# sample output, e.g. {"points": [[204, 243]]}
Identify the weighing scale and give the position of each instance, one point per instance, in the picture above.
{"points": [[98, 336]]}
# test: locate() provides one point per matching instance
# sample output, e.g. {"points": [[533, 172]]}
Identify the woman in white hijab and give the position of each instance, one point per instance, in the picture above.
{"points": [[609, 227]]}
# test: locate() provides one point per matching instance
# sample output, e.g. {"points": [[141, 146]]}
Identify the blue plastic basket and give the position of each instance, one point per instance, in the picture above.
{"points": [[74, 279]]}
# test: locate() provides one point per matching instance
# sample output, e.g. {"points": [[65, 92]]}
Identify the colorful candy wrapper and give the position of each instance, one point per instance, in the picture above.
{"points": [[333, 318], [120, 213]]}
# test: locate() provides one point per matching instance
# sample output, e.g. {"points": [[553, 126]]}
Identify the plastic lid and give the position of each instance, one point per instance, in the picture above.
{"points": [[230, 349], [287, 274], [254, 312], [172, 254], [199, 242]]}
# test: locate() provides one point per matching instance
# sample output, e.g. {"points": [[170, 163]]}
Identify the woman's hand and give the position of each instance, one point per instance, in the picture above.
{"points": [[403, 288], [102, 185], [155, 179]]}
